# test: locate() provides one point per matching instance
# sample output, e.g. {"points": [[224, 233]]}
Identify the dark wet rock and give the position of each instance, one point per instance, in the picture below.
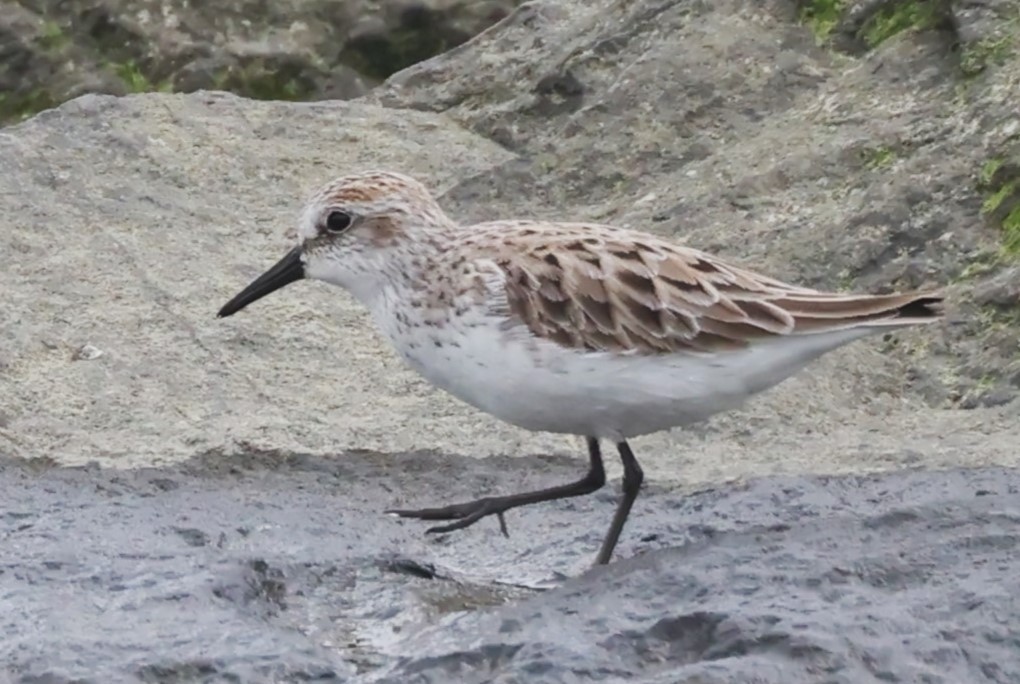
{"points": [[192, 536], [901, 578]]}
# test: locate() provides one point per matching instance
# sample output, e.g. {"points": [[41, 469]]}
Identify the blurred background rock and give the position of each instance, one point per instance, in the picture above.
{"points": [[54, 50]]}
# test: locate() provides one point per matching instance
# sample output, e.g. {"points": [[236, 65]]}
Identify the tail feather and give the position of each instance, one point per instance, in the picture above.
{"points": [[835, 312]]}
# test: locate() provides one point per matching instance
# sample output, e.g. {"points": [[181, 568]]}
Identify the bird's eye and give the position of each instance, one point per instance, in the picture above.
{"points": [[337, 221]]}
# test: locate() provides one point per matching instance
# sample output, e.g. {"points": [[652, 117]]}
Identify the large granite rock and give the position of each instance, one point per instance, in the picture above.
{"points": [[756, 147], [845, 162]]}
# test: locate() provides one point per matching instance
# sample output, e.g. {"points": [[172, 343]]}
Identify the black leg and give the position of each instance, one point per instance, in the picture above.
{"points": [[467, 514], [633, 476]]}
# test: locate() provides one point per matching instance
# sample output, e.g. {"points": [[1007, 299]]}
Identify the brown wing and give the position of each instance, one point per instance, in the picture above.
{"points": [[650, 296]]}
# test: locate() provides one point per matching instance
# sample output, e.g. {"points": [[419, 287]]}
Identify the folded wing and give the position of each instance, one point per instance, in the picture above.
{"points": [[600, 292]]}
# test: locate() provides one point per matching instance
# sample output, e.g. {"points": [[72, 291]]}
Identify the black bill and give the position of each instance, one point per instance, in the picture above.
{"points": [[286, 271]]}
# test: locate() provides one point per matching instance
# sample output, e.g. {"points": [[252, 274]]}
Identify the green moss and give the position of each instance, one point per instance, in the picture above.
{"points": [[979, 266], [995, 200], [977, 57], [896, 17], [135, 80], [986, 382], [992, 50], [261, 80], [845, 281], [15, 107], [1011, 231], [890, 18], [995, 317], [1000, 182], [269, 87], [52, 37], [822, 16], [989, 169], [876, 158]]}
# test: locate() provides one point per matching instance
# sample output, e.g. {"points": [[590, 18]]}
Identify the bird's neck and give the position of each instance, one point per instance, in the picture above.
{"points": [[404, 274]]}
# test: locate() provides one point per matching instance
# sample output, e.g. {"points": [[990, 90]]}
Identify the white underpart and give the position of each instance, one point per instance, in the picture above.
{"points": [[539, 385]]}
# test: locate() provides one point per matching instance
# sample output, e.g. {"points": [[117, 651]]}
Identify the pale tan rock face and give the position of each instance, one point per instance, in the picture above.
{"points": [[131, 220]]}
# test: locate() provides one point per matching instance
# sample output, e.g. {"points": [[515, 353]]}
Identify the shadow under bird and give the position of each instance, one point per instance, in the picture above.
{"points": [[573, 328]]}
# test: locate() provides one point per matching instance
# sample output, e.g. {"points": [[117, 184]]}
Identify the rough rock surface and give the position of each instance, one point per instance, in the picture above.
{"points": [[741, 128], [278, 568]]}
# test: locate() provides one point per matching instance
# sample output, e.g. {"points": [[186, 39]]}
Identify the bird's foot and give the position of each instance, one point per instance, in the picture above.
{"points": [[465, 514]]}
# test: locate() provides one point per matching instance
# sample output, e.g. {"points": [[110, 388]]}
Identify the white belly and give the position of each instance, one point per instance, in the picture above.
{"points": [[538, 385]]}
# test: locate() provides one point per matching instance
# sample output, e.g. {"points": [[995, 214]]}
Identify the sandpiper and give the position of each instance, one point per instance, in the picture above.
{"points": [[574, 328]]}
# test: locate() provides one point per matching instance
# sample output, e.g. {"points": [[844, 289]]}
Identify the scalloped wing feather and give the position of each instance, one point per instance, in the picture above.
{"points": [[589, 288]]}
